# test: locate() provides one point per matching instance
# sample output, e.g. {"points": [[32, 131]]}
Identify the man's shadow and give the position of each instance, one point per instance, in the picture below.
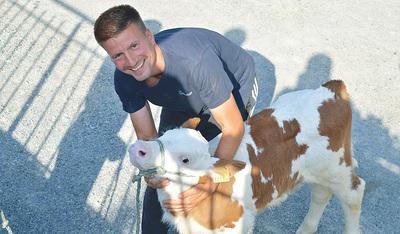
{"points": [[153, 25], [318, 72], [265, 70]]}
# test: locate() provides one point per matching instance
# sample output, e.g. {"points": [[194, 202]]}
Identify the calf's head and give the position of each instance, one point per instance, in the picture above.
{"points": [[181, 150]]}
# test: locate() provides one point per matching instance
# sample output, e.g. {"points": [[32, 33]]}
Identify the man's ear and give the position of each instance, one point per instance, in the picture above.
{"points": [[150, 36], [191, 123]]}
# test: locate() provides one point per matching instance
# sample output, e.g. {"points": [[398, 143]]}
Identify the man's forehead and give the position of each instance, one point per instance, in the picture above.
{"points": [[123, 40]]}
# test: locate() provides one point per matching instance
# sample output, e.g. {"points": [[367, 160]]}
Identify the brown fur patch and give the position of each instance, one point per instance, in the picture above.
{"points": [[279, 149], [203, 179], [191, 123], [233, 166], [209, 213], [335, 117], [335, 120], [339, 88], [218, 210], [356, 181]]}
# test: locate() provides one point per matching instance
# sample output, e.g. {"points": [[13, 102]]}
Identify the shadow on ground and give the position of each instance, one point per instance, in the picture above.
{"points": [[36, 201]]}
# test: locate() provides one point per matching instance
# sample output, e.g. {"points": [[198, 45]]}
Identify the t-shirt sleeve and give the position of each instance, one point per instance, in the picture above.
{"points": [[211, 80], [127, 89]]}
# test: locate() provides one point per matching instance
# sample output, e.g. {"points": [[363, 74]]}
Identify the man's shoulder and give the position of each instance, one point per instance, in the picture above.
{"points": [[189, 32], [200, 37], [121, 77], [124, 84], [187, 43]]}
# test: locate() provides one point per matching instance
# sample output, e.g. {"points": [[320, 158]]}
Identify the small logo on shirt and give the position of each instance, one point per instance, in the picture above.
{"points": [[185, 94]]}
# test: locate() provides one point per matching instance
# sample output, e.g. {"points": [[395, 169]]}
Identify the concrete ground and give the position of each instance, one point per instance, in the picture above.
{"points": [[63, 134]]}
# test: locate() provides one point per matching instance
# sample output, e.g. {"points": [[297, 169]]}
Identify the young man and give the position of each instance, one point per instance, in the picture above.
{"points": [[190, 72]]}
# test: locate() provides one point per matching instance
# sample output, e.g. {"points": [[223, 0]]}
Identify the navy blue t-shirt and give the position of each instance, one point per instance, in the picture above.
{"points": [[202, 68]]}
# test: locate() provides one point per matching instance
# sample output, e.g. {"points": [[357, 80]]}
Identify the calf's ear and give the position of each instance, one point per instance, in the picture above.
{"points": [[191, 123], [225, 169]]}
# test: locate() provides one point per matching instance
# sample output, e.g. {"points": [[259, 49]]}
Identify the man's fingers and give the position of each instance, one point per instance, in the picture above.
{"points": [[197, 190], [194, 190], [165, 183], [190, 198], [148, 178], [157, 184], [176, 206]]}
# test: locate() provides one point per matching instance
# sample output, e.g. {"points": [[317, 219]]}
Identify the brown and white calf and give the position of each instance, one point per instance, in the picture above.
{"points": [[305, 136]]}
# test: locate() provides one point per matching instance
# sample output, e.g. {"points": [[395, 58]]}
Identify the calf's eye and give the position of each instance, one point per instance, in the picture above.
{"points": [[185, 160]]}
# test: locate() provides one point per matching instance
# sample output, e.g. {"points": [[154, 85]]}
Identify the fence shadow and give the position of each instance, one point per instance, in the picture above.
{"points": [[63, 164]]}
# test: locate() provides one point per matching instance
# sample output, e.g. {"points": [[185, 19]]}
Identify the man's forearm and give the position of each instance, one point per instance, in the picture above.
{"points": [[229, 143]]}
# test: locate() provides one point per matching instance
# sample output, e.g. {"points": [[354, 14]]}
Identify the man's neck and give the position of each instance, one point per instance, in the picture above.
{"points": [[152, 81], [158, 69]]}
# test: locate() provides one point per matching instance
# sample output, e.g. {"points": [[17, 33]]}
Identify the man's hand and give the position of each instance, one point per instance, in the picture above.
{"points": [[156, 184], [191, 197]]}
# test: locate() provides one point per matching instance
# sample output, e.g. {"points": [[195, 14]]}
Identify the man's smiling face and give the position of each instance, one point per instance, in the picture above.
{"points": [[133, 52]]}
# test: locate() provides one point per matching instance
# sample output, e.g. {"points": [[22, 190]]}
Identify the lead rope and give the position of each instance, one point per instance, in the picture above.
{"points": [[158, 170], [4, 223]]}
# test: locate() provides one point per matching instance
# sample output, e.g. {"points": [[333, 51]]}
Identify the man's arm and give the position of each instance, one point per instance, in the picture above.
{"points": [[230, 119], [143, 123]]}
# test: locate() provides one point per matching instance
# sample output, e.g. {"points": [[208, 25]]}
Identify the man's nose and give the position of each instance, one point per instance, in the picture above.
{"points": [[131, 59]]}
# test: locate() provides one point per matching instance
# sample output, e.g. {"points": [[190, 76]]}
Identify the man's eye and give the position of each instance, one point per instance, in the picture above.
{"points": [[134, 46], [117, 56]]}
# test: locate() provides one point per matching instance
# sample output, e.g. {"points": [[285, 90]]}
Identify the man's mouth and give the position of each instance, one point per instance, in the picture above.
{"points": [[138, 67]]}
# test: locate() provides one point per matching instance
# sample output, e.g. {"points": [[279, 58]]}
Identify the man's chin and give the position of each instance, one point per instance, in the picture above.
{"points": [[138, 77]]}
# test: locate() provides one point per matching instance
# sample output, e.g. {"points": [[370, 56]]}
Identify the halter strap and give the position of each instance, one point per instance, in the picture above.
{"points": [[158, 170]]}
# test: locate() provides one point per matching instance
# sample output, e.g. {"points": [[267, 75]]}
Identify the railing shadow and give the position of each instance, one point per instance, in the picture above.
{"points": [[63, 168]]}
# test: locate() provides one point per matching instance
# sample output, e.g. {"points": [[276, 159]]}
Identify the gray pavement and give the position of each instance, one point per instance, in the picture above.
{"points": [[63, 134]]}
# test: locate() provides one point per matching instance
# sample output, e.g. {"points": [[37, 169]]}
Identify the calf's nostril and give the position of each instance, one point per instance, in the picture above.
{"points": [[142, 153]]}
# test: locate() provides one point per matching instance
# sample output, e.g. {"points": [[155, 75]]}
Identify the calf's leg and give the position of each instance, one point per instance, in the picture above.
{"points": [[320, 196], [350, 199]]}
